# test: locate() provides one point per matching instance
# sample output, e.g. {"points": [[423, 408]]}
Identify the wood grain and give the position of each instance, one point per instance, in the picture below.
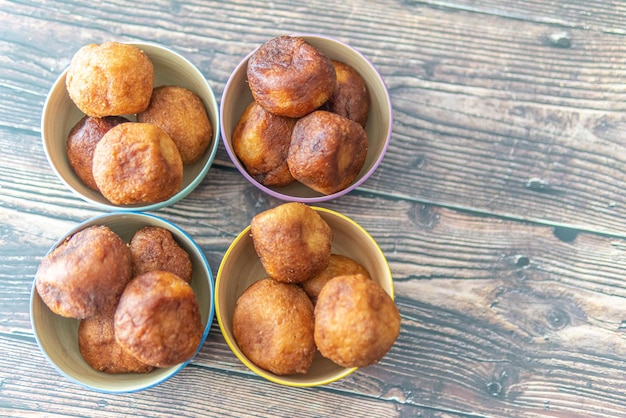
{"points": [[499, 204], [498, 316], [602, 16], [195, 391], [503, 123], [499, 115]]}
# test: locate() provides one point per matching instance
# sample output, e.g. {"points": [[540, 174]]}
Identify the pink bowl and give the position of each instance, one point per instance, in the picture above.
{"points": [[237, 96]]}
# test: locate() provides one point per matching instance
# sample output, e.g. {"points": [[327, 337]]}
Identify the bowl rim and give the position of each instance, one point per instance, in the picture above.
{"points": [[233, 345], [314, 199], [175, 369], [182, 193]]}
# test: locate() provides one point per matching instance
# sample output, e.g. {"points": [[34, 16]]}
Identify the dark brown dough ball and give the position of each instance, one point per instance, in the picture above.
{"points": [[82, 141], [292, 241], [351, 98], [157, 319], [273, 326], [85, 274], [154, 248], [110, 79], [97, 345], [327, 151], [290, 77], [261, 141], [356, 321], [180, 113], [339, 265], [137, 163]]}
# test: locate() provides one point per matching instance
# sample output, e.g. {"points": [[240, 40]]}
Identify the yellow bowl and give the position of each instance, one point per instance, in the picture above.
{"points": [[241, 267], [60, 114]]}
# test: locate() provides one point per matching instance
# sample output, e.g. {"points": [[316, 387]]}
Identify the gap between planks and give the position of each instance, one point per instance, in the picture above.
{"points": [[474, 211]]}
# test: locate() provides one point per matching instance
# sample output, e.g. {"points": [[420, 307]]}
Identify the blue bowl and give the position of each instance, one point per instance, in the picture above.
{"points": [[57, 336]]}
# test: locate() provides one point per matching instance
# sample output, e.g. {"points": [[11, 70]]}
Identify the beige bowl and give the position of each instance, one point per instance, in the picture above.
{"points": [[60, 114], [237, 96], [58, 337], [241, 267]]}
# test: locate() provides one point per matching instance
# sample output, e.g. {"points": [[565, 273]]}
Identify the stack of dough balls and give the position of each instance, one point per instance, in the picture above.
{"points": [[311, 300], [130, 161], [136, 308], [306, 122]]}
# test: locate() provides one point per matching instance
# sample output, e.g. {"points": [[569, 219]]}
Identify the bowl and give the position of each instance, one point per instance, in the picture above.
{"points": [[57, 336], [241, 267], [60, 114], [237, 96]]}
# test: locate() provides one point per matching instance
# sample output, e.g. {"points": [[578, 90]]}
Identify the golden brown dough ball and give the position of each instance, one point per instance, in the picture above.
{"points": [[261, 141], [82, 141], [154, 248], [97, 345], [273, 326], [180, 113], [157, 319], [137, 163], [356, 321], [339, 265], [290, 77], [351, 98], [110, 79], [327, 151], [292, 241], [85, 274]]}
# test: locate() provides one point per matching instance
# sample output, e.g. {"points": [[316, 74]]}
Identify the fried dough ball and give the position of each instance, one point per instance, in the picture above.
{"points": [[82, 141], [97, 345], [154, 248], [339, 265], [290, 77], [157, 319], [356, 321], [180, 113], [137, 163], [292, 241], [273, 325], [327, 151], [351, 98], [85, 274], [261, 141], [110, 79]]}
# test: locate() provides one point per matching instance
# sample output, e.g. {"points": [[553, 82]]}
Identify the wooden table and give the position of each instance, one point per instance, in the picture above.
{"points": [[500, 203]]}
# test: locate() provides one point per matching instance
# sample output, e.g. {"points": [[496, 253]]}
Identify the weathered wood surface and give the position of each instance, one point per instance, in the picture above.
{"points": [[499, 204]]}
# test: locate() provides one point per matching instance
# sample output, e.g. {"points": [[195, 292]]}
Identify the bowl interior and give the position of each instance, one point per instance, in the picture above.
{"points": [[237, 96], [241, 267], [58, 336], [60, 115]]}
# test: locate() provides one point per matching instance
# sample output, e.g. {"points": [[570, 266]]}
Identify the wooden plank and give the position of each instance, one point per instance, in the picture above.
{"points": [[195, 391], [499, 121], [507, 319], [600, 15]]}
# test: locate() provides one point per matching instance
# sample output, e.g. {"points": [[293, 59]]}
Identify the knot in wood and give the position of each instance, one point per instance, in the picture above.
{"points": [[425, 216], [557, 319], [522, 261], [536, 184], [560, 40], [494, 388], [565, 234]]}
